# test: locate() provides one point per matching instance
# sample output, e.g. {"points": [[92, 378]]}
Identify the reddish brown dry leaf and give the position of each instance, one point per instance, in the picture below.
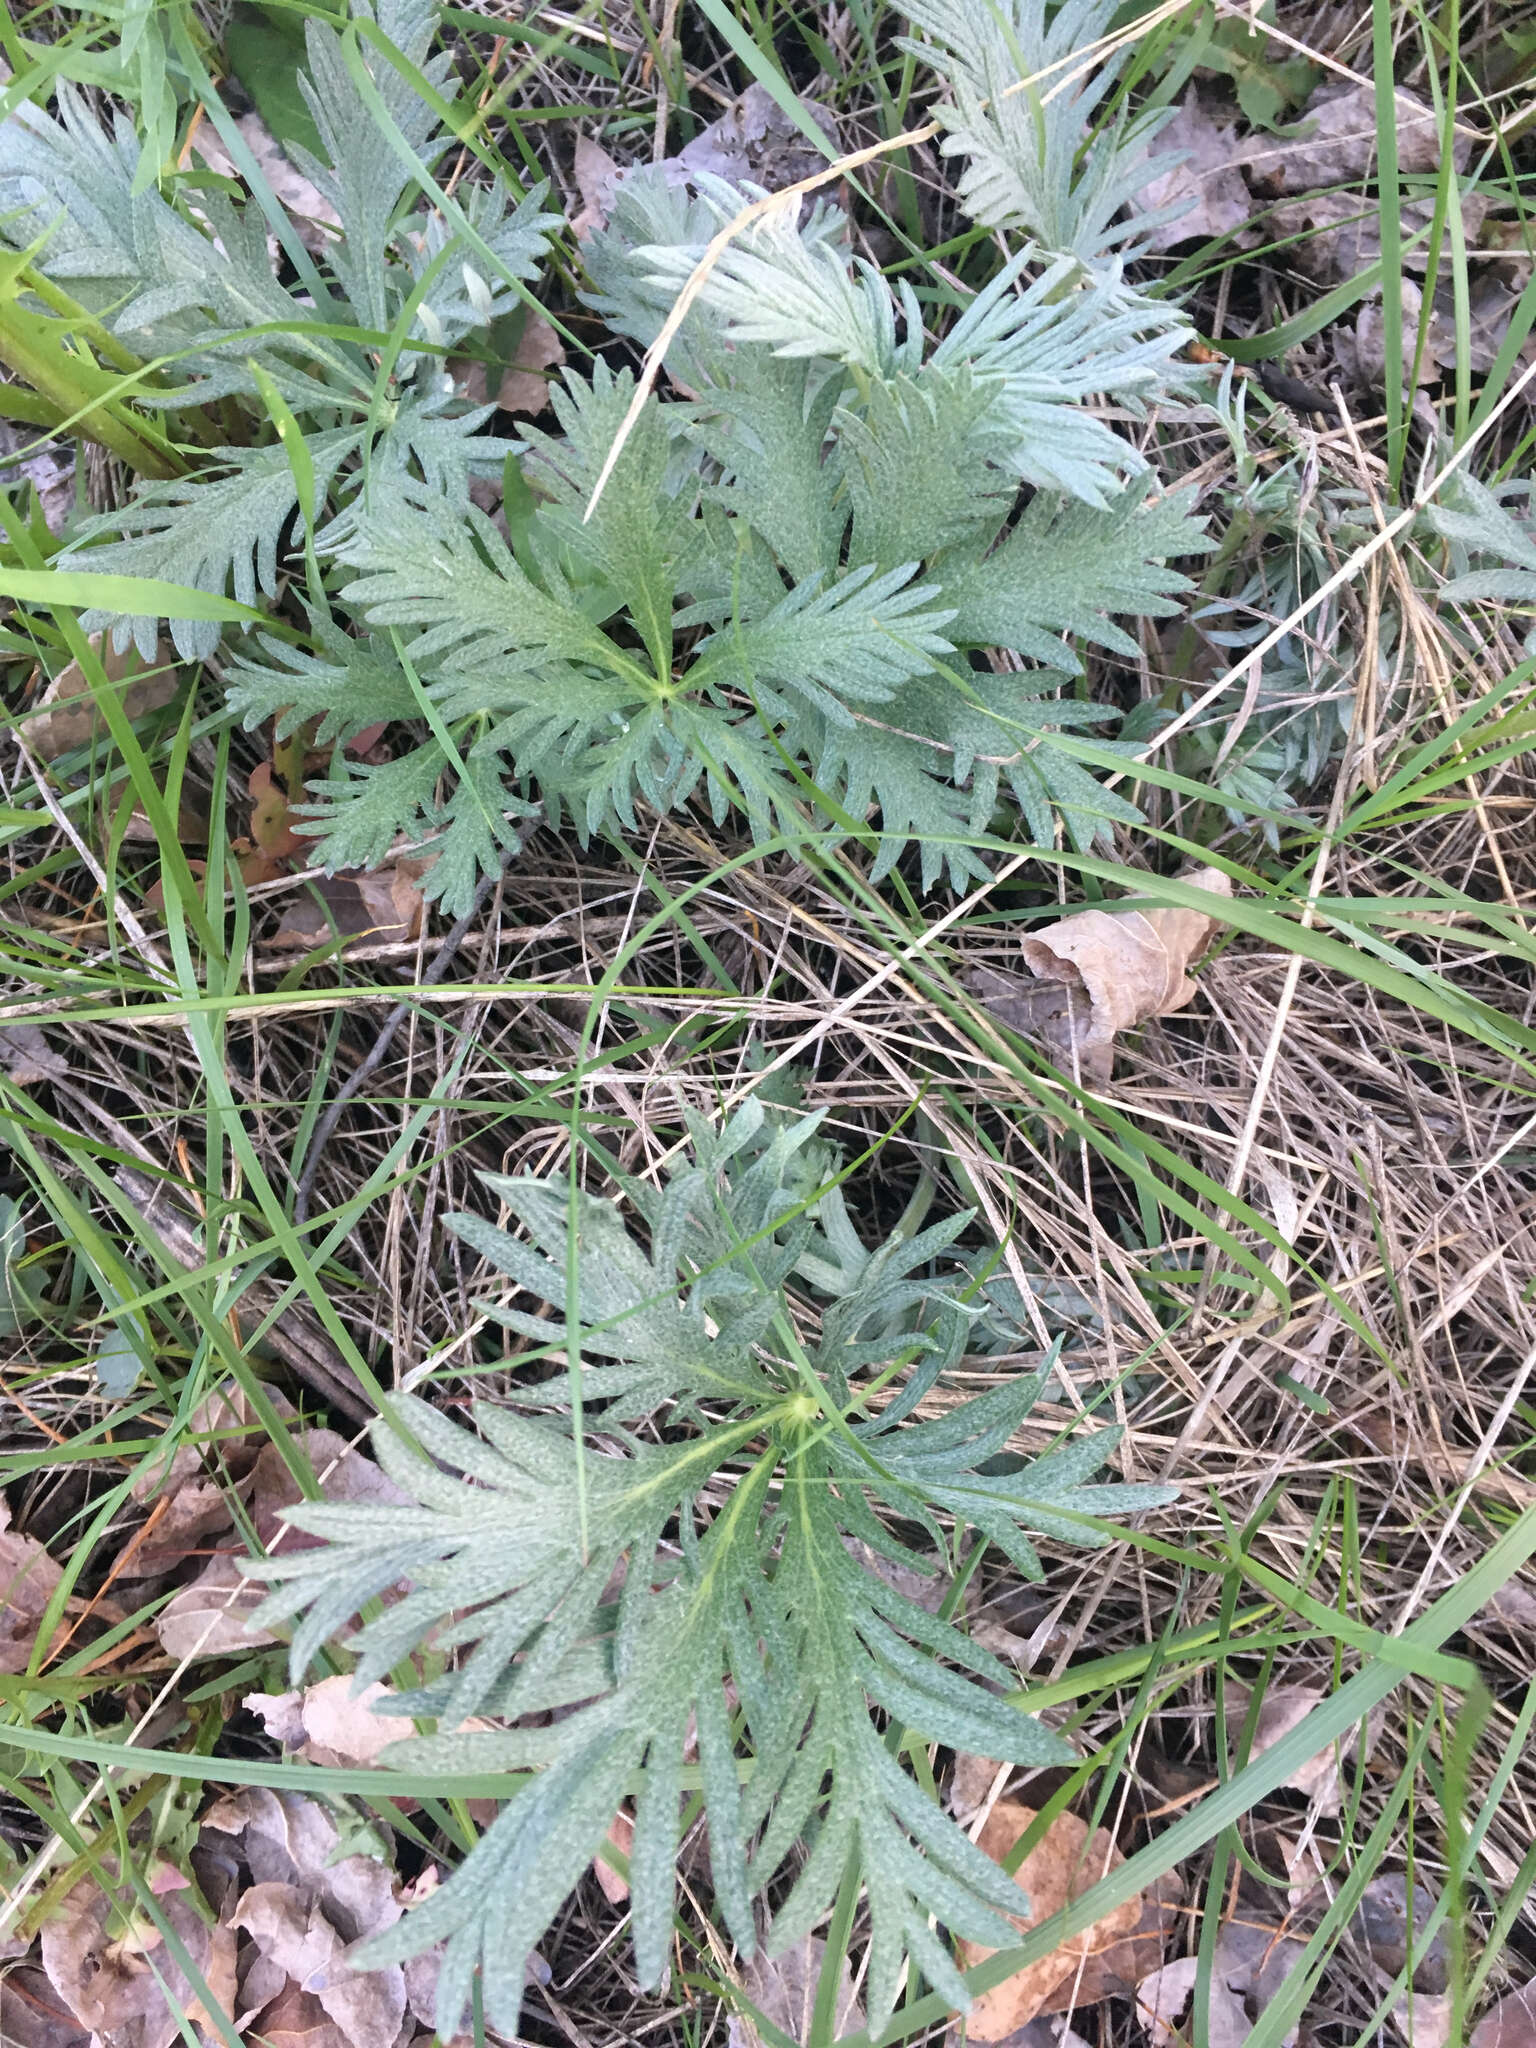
{"points": [[621, 1832], [1100, 972], [271, 819], [221, 1441], [594, 171], [524, 385], [32, 2014], [1115, 1971], [29, 1579], [114, 1988], [68, 715], [971, 1779], [296, 2020], [1511, 2023], [383, 906], [1064, 1864]]}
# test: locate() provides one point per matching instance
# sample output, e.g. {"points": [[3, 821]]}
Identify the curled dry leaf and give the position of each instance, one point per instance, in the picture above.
{"points": [[1065, 1863], [326, 1724], [1100, 972], [68, 715]]}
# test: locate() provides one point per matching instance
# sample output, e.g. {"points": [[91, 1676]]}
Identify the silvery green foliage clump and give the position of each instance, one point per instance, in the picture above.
{"points": [[849, 578], [681, 1567], [202, 293], [1021, 100]]}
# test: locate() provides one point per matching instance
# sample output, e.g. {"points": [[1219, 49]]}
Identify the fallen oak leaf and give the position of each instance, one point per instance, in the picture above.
{"points": [[1067, 1861], [1097, 973]]}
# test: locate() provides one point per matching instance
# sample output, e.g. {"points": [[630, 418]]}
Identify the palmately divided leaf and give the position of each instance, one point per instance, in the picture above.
{"points": [[209, 533], [704, 1577], [1022, 98], [1065, 568]]}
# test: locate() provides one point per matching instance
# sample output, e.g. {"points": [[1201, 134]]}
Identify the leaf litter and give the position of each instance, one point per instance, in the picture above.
{"points": [[1098, 973]]}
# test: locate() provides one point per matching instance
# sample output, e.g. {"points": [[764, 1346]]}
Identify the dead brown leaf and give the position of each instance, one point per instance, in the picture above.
{"points": [[757, 141], [32, 2015], [344, 1475], [783, 1988], [971, 1779], [114, 1988], [68, 715], [1509, 2024], [595, 173], [325, 1724], [524, 385], [1100, 972], [1380, 1924], [1339, 142], [296, 2020], [1285, 1707], [210, 1617], [291, 1928], [1065, 1863], [1251, 1963], [204, 1472], [1209, 177], [28, 1057], [1115, 1971], [621, 1833], [29, 1578], [376, 907], [309, 206]]}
